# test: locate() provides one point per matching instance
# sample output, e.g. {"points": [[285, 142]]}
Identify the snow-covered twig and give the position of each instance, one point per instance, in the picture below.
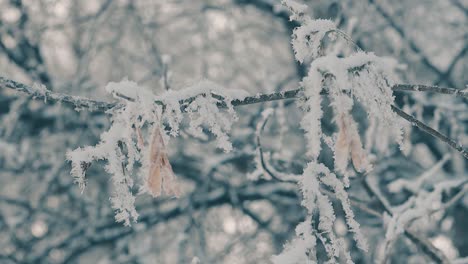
{"points": [[430, 88], [424, 244], [76, 102]]}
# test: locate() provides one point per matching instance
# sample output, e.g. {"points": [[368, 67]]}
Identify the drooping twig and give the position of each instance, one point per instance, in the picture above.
{"points": [[429, 130], [263, 162]]}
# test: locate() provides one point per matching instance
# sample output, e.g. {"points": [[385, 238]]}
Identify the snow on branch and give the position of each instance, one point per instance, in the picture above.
{"points": [[99, 106], [429, 88], [80, 103], [40, 92]]}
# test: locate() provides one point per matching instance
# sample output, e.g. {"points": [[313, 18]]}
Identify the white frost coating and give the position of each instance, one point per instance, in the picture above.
{"points": [[204, 97], [209, 90], [202, 87], [333, 182], [204, 110], [371, 87], [128, 89], [326, 220], [318, 202], [294, 6], [301, 249], [307, 39], [297, 9], [312, 114], [329, 179], [40, 89], [131, 130], [109, 149]]}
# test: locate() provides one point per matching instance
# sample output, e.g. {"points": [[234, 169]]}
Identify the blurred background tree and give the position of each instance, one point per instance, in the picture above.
{"points": [[76, 47]]}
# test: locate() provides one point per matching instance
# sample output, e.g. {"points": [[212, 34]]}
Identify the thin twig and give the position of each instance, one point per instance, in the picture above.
{"points": [[455, 198], [263, 162], [458, 147], [49, 96], [429, 88], [356, 203]]}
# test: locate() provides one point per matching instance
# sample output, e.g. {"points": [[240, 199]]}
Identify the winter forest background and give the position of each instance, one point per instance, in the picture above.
{"points": [[258, 180]]}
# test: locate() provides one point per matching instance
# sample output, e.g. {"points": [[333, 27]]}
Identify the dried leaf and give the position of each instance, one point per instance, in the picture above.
{"points": [[342, 146], [140, 141], [358, 155], [161, 177], [349, 142]]}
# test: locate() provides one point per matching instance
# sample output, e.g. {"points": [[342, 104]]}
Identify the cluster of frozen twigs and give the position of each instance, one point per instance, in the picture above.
{"points": [[137, 136], [134, 147], [356, 78]]}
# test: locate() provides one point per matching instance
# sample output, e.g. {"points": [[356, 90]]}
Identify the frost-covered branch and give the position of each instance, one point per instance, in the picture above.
{"points": [[134, 147], [430, 88], [358, 78], [40, 92], [94, 105], [77, 102]]}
